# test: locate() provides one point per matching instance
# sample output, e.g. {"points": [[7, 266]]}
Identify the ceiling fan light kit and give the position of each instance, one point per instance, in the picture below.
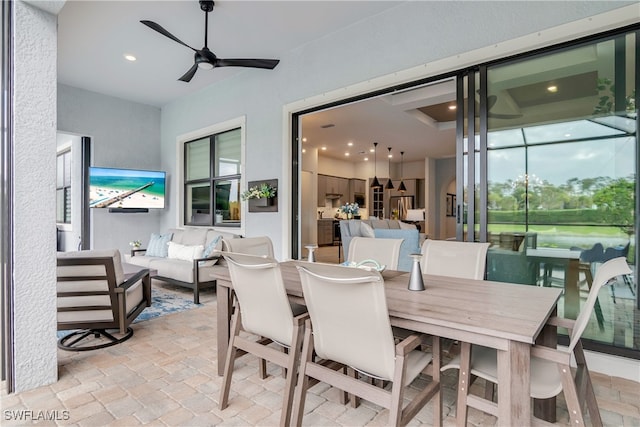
{"points": [[204, 58]]}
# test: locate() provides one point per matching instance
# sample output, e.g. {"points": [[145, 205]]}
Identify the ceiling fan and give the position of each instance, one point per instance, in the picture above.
{"points": [[206, 59]]}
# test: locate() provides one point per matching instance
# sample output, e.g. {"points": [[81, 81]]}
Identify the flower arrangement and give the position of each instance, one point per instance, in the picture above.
{"points": [[262, 191], [135, 244], [350, 209]]}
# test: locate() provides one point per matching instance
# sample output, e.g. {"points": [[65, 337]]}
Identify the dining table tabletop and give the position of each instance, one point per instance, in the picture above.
{"points": [[507, 317]]}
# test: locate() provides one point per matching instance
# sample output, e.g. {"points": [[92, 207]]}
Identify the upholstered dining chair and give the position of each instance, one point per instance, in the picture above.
{"points": [[454, 259], [260, 245], [96, 301], [262, 309], [349, 324], [384, 251], [551, 370]]}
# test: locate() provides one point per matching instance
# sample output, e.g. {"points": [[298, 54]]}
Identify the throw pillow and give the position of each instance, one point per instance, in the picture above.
{"points": [[209, 249], [184, 252], [366, 230], [158, 245], [405, 226]]}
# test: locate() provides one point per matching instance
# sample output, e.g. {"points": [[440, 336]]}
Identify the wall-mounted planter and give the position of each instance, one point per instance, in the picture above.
{"points": [[264, 204]]}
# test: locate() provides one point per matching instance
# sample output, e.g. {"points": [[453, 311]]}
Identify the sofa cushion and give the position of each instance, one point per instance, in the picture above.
{"points": [[158, 245], [142, 260], [379, 223], [406, 226], [184, 252], [174, 268], [194, 236], [366, 230], [410, 245]]}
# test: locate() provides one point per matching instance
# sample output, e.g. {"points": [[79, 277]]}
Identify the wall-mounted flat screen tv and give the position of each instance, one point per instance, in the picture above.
{"points": [[126, 188]]}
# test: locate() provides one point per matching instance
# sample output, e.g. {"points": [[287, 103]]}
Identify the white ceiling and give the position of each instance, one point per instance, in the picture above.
{"points": [[94, 36]]}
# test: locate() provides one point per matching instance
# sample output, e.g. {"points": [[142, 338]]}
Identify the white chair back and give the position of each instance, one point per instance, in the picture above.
{"points": [[258, 286], [605, 272], [260, 246], [384, 251], [466, 260], [349, 317]]}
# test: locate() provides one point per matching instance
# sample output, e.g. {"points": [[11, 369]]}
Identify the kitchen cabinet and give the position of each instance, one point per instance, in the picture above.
{"points": [[332, 186], [357, 187], [325, 232]]}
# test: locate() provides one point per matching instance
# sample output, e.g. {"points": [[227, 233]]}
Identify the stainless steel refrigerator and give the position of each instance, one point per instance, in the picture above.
{"points": [[401, 204]]}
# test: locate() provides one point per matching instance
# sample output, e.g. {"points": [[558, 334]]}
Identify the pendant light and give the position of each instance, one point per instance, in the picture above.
{"points": [[389, 185], [402, 188], [375, 183]]}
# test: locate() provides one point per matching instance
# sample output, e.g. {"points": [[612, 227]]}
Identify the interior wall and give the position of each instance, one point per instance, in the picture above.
{"points": [[70, 233], [126, 135], [354, 54], [445, 174], [34, 177]]}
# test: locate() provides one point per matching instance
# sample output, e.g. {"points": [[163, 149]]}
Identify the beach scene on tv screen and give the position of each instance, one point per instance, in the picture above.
{"points": [[123, 188]]}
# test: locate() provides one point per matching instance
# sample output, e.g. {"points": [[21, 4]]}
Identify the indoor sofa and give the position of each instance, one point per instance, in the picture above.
{"points": [[184, 257], [383, 229]]}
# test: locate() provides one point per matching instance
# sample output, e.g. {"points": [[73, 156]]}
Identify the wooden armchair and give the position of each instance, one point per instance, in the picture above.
{"points": [[95, 299]]}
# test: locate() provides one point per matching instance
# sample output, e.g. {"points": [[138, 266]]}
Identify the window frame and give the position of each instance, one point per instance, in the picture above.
{"points": [[210, 132], [65, 154]]}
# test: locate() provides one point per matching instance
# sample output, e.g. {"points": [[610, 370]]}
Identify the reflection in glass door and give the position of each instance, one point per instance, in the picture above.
{"points": [[561, 178]]}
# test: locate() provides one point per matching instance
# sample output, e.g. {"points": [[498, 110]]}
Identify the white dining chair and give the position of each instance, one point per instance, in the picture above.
{"points": [[384, 251], [262, 309], [349, 324], [551, 370], [466, 260], [260, 245]]}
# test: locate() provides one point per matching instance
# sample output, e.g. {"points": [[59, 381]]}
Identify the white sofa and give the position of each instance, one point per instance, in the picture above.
{"points": [[183, 270]]}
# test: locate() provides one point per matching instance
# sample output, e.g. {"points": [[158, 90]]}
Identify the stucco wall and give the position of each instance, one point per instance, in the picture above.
{"points": [[34, 177], [123, 134]]}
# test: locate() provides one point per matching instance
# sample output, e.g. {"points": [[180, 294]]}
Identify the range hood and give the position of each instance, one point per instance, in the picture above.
{"points": [[332, 196]]}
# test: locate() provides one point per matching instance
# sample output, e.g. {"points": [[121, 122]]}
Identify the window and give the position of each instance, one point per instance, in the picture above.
{"points": [[212, 173], [63, 187]]}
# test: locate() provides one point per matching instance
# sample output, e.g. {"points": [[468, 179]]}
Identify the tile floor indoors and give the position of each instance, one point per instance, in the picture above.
{"points": [[165, 375]]}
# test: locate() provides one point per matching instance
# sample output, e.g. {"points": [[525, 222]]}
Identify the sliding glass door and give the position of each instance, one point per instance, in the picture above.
{"points": [[561, 167]]}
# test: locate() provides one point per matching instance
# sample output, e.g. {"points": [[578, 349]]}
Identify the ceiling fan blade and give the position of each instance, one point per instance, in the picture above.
{"points": [[253, 63], [161, 30], [189, 74]]}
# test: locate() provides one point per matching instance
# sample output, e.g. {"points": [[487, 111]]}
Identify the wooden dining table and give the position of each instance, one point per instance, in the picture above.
{"points": [[507, 317]]}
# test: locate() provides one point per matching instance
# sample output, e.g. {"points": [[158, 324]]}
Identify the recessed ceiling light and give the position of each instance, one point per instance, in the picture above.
{"points": [[350, 144], [324, 148], [366, 159], [346, 154], [567, 135], [371, 150], [552, 89], [452, 107], [304, 139], [304, 150], [129, 57]]}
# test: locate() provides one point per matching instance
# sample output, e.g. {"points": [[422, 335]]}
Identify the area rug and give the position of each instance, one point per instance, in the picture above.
{"points": [[162, 303]]}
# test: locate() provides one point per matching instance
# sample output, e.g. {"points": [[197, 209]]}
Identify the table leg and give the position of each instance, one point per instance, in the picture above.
{"points": [[545, 409], [514, 407], [571, 290], [223, 302]]}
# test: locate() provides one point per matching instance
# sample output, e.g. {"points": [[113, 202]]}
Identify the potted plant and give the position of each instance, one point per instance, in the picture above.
{"points": [[263, 194], [350, 209]]}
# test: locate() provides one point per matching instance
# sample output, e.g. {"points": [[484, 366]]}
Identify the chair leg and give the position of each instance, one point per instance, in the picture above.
{"points": [[300, 393], [571, 395], [589, 277], [397, 392], [583, 380], [229, 362], [291, 370], [355, 400]]}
